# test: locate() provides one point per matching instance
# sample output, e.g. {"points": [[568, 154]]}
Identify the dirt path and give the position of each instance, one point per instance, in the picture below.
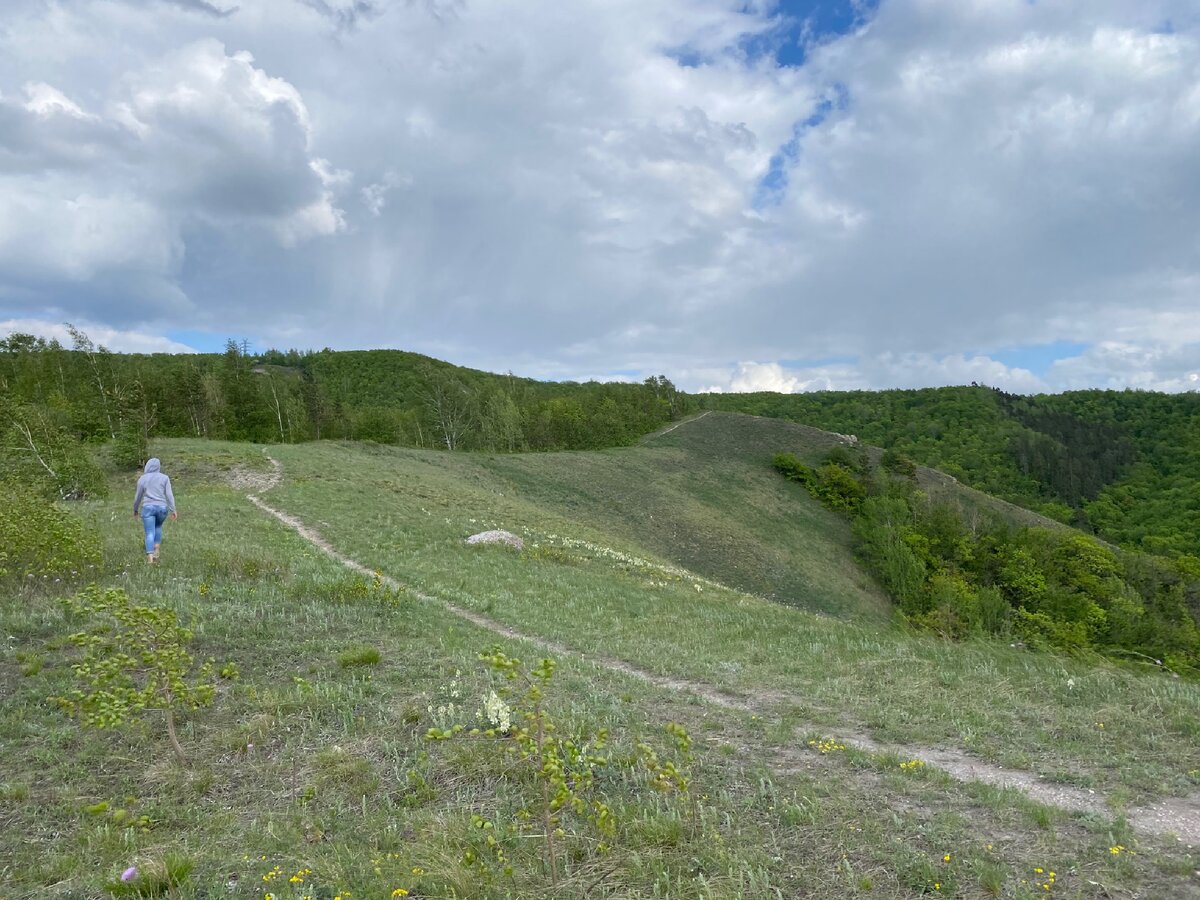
{"points": [[676, 425], [1173, 816], [244, 479]]}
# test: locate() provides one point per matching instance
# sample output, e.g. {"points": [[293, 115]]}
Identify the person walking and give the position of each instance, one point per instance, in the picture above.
{"points": [[155, 500]]}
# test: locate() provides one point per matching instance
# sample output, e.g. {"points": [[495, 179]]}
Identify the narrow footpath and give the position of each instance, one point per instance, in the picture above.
{"points": [[1174, 816]]}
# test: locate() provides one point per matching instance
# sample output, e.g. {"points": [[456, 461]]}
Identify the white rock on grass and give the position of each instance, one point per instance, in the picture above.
{"points": [[497, 537]]}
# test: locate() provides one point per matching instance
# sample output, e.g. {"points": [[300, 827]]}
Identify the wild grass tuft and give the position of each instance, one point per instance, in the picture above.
{"points": [[152, 877], [358, 656]]}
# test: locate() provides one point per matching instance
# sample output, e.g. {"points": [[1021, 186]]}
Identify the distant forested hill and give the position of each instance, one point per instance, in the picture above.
{"points": [[52, 398], [1125, 464]]}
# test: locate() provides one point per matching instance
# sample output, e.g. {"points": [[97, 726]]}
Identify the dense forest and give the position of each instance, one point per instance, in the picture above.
{"points": [[56, 400], [962, 572], [1122, 464]]}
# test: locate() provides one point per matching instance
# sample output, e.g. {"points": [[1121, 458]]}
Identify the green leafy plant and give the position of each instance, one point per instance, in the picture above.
{"points": [[38, 538], [793, 470], [837, 482], [564, 766], [133, 659], [664, 773]]}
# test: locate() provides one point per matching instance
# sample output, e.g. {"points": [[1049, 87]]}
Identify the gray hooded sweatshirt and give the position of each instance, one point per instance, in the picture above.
{"points": [[154, 487]]}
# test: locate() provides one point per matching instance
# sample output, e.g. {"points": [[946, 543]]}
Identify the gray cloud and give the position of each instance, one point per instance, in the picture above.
{"points": [[542, 187], [100, 209], [45, 130], [205, 7], [346, 14]]}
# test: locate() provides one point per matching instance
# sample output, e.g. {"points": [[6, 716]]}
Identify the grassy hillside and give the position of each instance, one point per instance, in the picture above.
{"points": [[313, 762], [407, 511], [703, 495], [1124, 463]]}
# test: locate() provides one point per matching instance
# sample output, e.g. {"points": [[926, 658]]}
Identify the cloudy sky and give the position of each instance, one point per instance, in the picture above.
{"points": [[741, 194]]}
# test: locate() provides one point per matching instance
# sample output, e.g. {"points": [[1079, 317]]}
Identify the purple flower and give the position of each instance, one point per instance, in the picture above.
{"points": [[129, 874]]}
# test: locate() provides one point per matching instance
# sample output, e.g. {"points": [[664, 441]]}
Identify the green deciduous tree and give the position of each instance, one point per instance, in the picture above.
{"points": [[133, 659]]}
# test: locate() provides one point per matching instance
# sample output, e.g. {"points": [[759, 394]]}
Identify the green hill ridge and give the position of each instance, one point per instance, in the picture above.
{"points": [[1124, 464]]}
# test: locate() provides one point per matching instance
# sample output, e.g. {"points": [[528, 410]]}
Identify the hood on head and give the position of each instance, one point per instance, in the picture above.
{"points": [[152, 465]]}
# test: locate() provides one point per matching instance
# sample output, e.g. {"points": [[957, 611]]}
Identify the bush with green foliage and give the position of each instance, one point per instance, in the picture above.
{"points": [[793, 470], [133, 659], [41, 538], [898, 464], [884, 533], [1053, 588], [836, 482]]}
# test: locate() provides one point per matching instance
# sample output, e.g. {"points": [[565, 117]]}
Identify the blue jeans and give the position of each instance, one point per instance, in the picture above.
{"points": [[153, 516]]}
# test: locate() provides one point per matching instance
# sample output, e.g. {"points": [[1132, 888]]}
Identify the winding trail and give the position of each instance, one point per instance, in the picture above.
{"points": [[658, 434], [1171, 816]]}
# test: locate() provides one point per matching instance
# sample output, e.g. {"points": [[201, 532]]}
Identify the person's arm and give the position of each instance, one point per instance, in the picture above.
{"points": [[171, 499], [137, 498]]}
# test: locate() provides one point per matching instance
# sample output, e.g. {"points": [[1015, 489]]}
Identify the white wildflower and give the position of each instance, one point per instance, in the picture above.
{"points": [[497, 712]]}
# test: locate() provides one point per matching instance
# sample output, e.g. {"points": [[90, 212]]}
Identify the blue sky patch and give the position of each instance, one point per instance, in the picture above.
{"points": [[771, 187], [800, 24], [207, 342], [815, 21], [1037, 358]]}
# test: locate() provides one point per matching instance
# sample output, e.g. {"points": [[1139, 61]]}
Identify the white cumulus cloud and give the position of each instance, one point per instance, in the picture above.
{"points": [[614, 185], [101, 335]]}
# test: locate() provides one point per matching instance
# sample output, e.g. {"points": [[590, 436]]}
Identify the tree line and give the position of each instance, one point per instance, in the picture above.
{"points": [[1124, 465], [53, 398]]}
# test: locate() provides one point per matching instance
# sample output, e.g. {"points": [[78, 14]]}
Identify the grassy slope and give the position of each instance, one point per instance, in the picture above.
{"points": [[770, 813], [704, 496], [406, 512]]}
